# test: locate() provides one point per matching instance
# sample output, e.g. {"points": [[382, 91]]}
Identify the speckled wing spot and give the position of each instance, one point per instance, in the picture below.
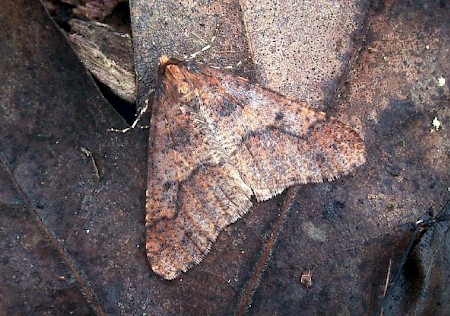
{"points": [[215, 141]]}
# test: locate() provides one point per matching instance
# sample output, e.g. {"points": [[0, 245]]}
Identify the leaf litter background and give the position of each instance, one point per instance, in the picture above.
{"points": [[72, 242]]}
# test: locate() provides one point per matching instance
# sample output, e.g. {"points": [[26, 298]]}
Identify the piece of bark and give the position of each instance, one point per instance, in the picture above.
{"points": [[96, 9], [107, 54]]}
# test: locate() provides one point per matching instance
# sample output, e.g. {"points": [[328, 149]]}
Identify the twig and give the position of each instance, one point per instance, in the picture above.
{"points": [[89, 154]]}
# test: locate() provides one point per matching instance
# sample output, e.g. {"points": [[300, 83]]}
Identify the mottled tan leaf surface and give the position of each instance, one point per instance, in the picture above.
{"points": [[74, 242]]}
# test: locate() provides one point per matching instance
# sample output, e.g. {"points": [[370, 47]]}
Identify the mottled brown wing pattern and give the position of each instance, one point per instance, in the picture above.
{"points": [[193, 192], [276, 142], [215, 140]]}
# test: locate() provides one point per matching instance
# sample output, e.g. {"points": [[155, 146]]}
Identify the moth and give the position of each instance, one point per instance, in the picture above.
{"points": [[216, 140]]}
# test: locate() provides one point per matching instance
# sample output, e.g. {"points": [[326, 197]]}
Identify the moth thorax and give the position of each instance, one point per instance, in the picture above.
{"points": [[185, 93]]}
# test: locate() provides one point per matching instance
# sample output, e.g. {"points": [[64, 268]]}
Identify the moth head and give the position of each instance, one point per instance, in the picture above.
{"points": [[177, 79]]}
